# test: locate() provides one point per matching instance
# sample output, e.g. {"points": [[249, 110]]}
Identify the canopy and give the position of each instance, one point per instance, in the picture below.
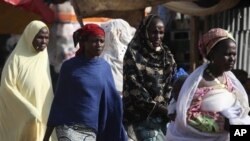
{"points": [[86, 8], [201, 7], [16, 14]]}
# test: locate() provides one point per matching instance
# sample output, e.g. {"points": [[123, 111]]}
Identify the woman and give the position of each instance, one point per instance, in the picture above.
{"points": [[86, 105], [26, 90], [211, 95], [118, 33], [148, 70]]}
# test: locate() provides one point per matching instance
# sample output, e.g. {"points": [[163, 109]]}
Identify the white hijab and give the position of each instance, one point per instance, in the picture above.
{"points": [[118, 33]]}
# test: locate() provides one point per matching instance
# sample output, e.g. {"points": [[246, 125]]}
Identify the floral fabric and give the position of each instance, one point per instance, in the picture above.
{"points": [[203, 120]]}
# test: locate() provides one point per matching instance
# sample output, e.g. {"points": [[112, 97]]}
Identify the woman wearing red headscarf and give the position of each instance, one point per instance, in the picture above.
{"points": [[86, 105]]}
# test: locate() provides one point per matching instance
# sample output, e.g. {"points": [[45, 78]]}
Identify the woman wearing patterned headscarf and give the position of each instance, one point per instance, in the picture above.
{"points": [[26, 90], [211, 97], [86, 104], [148, 70]]}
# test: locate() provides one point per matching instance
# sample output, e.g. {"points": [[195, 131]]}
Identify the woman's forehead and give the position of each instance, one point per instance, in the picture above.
{"points": [[96, 37], [157, 22], [224, 45], [227, 44]]}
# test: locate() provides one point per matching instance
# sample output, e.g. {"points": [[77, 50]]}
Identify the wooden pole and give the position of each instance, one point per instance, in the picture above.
{"points": [[77, 12], [193, 43]]}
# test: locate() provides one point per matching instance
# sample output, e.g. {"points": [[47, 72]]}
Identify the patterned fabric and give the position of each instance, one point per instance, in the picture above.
{"points": [[75, 132], [149, 130], [147, 76], [202, 120], [180, 130], [211, 38]]}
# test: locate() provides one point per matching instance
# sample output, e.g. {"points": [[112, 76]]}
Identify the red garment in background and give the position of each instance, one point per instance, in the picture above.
{"points": [[38, 7]]}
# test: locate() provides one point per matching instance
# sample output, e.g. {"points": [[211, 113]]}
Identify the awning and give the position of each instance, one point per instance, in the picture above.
{"points": [[16, 14]]}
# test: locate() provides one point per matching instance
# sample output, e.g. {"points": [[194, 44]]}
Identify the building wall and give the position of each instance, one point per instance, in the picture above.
{"points": [[237, 21]]}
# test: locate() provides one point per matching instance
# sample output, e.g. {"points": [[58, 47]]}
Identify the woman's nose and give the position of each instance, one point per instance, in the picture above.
{"points": [[232, 57], [45, 40], [158, 36]]}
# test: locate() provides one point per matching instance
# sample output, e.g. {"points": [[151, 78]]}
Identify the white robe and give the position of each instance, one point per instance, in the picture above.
{"points": [[180, 130]]}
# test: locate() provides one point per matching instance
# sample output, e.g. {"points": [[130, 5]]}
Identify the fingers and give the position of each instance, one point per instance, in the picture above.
{"points": [[232, 112]]}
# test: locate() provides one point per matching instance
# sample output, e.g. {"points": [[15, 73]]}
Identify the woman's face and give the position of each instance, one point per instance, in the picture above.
{"points": [[94, 46], [156, 32], [41, 40], [225, 57]]}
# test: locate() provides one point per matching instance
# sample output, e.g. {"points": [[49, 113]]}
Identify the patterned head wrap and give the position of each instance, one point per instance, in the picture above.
{"points": [[82, 34], [211, 38]]}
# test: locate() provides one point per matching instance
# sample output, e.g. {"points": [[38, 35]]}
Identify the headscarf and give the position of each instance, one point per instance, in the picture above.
{"points": [[211, 38], [147, 74], [82, 34], [28, 35], [26, 91], [118, 34], [142, 31]]}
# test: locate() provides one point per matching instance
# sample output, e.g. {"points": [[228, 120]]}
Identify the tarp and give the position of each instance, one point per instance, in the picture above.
{"points": [[16, 14]]}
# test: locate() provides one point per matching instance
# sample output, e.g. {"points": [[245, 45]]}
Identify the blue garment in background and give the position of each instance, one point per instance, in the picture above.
{"points": [[179, 72]]}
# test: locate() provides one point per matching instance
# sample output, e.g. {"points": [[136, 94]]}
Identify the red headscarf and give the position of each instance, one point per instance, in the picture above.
{"points": [[211, 38], [82, 34]]}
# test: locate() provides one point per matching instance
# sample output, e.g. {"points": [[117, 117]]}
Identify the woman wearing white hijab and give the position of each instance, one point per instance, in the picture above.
{"points": [[26, 91], [211, 95], [118, 33]]}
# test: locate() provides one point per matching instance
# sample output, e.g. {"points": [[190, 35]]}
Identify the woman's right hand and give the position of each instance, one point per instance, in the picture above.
{"points": [[232, 112]]}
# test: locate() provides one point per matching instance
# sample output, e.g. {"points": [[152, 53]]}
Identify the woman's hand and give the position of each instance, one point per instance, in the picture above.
{"points": [[232, 112], [162, 110]]}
